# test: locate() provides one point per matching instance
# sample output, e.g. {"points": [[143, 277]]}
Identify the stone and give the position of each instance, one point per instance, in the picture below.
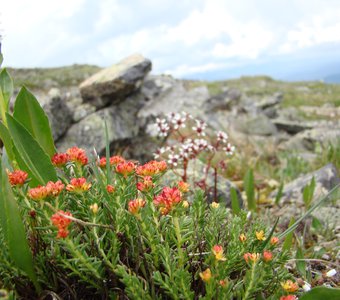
{"points": [[257, 125], [59, 115], [269, 101], [114, 84], [291, 127], [326, 178], [89, 132], [308, 139], [222, 101]]}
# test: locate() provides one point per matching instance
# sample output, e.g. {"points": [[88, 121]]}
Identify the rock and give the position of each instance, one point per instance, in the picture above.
{"points": [[257, 125], [292, 127], [270, 101], [89, 133], [308, 139], [113, 84], [166, 95], [195, 172], [222, 101], [59, 115], [325, 179]]}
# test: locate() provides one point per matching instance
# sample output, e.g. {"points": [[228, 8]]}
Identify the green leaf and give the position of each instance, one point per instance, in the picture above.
{"points": [[300, 263], [7, 141], [13, 227], [287, 244], [235, 205], [37, 161], [6, 86], [279, 194], [249, 188], [30, 114], [308, 193], [321, 293]]}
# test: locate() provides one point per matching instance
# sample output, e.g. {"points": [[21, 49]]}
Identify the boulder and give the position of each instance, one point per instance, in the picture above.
{"points": [[326, 178], [291, 127], [89, 132], [222, 101], [256, 125], [114, 84], [59, 115], [269, 101]]}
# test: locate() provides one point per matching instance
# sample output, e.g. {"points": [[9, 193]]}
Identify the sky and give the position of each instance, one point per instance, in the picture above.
{"points": [[199, 39]]}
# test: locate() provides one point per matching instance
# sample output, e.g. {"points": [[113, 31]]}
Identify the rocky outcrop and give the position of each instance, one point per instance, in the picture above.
{"points": [[112, 85]]}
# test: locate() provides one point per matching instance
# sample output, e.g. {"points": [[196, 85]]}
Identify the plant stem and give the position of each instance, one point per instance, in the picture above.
{"points": [[179, 240], [250, 285]]}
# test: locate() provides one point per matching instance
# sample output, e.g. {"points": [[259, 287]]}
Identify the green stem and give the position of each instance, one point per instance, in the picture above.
{"points": [[250, 285], [179, 240]]}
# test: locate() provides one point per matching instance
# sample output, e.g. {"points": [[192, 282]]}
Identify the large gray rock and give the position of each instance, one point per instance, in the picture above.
{"points": [[269, 101], [166, 95], [222, 101], [89, 133], [291, 127], [325, 179], [113, 84], [308, 139], [257, 125], [59, 115]]}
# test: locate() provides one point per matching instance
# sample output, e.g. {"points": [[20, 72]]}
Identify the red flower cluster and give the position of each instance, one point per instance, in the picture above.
{"points": [[78, 185], [167, 199], [114, 160], [110, 189], [17, 177], [61, 222], [74, 154], [146, 185], [151, 168], [125, 168], [52, 189], [60, 159], [288, 297]]}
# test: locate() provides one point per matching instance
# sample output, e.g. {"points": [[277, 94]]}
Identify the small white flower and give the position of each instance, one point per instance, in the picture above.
{"points": [[331, 273], [306, 286], [222, 136], [173, 159], [229, 149], [199, 128]]}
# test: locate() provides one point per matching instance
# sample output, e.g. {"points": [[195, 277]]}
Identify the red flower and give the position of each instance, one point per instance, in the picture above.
{"points": [[146, 185], [38, 193], [183, 186], [77, 155], [288, 297], [168, 198], [136, 205], [125, 168], [78, 185], [115, 160], [274, 240], [61, 222], [110, 189], [54, 188], [60, 159], [267, 256], [253, 257], [151, 168], [17, 177]]}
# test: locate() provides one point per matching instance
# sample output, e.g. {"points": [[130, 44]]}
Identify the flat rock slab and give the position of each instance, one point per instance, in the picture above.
{"points": [[113, 84]]}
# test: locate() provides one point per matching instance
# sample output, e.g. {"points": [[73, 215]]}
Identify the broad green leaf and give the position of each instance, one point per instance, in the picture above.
{"points": [[7, 141], [235, 205], [37, 161], [321, 293], [287, 244], [15, 235], [6, 87], [30, 114], [249, 188]]}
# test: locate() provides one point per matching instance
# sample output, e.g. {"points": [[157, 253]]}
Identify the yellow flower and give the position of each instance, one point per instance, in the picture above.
{"points": [[217, 250], [289, 286], [260, 235], [206, 275], [242, 237], [215, 205], [185, 204], [94, 208]]}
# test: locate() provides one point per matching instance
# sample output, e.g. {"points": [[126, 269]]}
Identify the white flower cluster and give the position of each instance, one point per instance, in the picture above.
{"points": [[163, 127], [200, 127]]}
